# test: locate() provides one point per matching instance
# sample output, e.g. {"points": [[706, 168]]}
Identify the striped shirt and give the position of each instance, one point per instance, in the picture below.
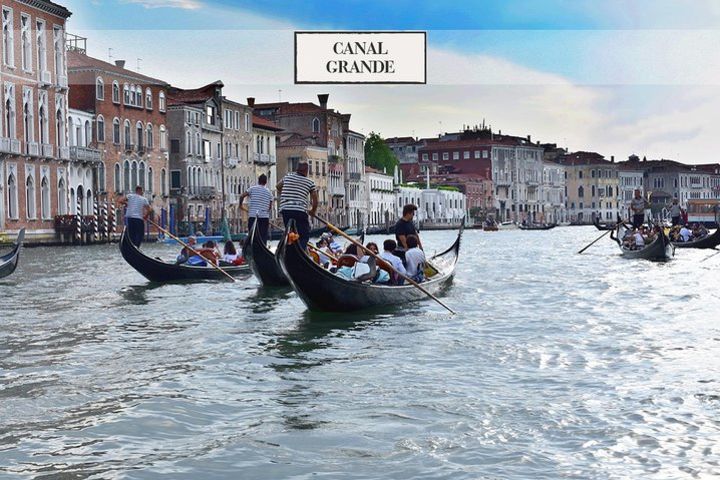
{"points": [[136, 206], [260, 200], [295, 192]]}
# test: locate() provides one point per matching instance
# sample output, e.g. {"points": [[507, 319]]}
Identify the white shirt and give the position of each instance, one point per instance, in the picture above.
{"points": [[414, 258], [394, 261], [685, 234], [136, 206], [639, 240]]}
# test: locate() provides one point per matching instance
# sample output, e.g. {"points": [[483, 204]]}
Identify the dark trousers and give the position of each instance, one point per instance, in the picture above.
{"points": [[262, 227], [638, 220], [136, 230], [302, 223], [676, 221]]}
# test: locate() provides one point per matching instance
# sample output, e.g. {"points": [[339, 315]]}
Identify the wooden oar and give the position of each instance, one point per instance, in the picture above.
{"points": [[594, 241], [377, 257], [191, 249], [320, 252]]}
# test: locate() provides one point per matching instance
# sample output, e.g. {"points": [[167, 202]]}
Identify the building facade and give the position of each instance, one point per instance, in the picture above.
{"points": [[380, 199], [355, 196], [553, 194], [34, 152], [238, 168], [592, 187]]}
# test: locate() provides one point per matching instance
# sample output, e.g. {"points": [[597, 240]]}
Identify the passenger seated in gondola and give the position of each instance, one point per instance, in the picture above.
{"points": [[371, 246], [685, 234], [638, 240], [209, 252], [698, 231], [415, 260], [230, 255], [353, 250], [674, 233], [186, 253], [389, 246], [332, 246]]}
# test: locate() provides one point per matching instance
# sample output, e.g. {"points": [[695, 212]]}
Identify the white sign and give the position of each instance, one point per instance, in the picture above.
{"points": [[360, 57]]}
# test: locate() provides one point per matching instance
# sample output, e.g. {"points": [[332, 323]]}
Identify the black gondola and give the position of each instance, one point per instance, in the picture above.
{"points": [[158, 271], [323, 291], [708, 241], [659, 249], [537, 226], [603, 227], [9, 262], [262, 262]]}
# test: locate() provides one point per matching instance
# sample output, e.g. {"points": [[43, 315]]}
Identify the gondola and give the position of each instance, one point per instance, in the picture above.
{"points": [[323, 291], [156, 270], [262, 262], [537, 226], [9, 262], [603, 227], [709, 241], [659, 249]]}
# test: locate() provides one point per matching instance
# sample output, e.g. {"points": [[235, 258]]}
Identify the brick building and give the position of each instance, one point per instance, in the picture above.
{"points": [[127, 141], [238, 165], [34, 153]]}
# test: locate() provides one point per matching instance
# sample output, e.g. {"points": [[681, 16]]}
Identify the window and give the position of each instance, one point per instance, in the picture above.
{"points": [[138, 96], [163, 182], [446, 156], [128, 137], [126, 176], [126, 94], [425, 157], [12, 196], [99, 89], [41, 42], [150, 183], [163, 137], [140, 135], [150, 139], [210, 115], [101, 177], [116, 131], [43, 118], [176, 179], [134, 175], [62, 197], [30, 198], [247, 122], [148, 99], [161, 101], [100, 128], [59, 44], [26, 42], [237, 120], [477, 153], [8, 39], [316, 125], [207, 150], [188, 142], [116, 92], [581, 192], [117, 178]]}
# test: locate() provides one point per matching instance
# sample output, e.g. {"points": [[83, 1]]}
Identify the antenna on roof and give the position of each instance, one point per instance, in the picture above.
{"points": [[138, 64], [280, 95], [110, 55]]}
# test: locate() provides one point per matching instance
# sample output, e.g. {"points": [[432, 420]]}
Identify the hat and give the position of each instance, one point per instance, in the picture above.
{"points": [[192, 238]]}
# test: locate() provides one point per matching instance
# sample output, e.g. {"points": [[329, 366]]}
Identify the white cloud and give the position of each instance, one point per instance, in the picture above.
{"points": [[182, 4]]}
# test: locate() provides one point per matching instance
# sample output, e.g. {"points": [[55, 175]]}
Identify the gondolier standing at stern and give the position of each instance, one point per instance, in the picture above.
{"points": [[137, 211], [294, 191], [637, 208], [260, 206]]}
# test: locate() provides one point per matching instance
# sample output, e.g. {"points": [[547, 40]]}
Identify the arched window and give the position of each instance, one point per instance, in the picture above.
{"points": [[140, 132], [126, 94], [150, 182], [88, 133], [73, 204], [149, 134], [163, 137], [593, 188], [116, 131], [139, 96], [99, 88], [30, 198], [128, 136], [12, 197], [132, 95], [60, 128], [118, 178], [581, 192], [148, 99], [100, 128], [116, 92], [88, 202], [133, 176], [316, 125], [163, 182], [43, 125], [45, 198], [188, 142], [101, 177], [126, 176], [161, 101], [62, 197], [141, 176]]}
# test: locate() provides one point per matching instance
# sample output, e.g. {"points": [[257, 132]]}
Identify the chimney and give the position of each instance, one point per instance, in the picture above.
{"points": [[120, 63], [323, 99], [529, 139], [251, 102], [612, 158]]}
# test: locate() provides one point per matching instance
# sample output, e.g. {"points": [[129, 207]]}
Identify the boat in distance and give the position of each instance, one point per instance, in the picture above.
{"points": [[659, 249], [159, 271], [321, 290]]}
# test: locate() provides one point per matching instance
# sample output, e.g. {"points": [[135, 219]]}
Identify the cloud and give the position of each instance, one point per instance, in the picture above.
{"points": [[181, 4]]}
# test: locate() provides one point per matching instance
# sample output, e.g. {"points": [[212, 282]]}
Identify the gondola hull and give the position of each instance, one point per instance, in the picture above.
{"points": [[323, 291], [603, 227], [537, 227], [660, 249], [710, 241], [262, 262], [163, 272], [10, 261]]}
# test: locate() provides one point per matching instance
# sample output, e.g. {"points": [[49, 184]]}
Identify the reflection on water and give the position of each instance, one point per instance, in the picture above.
{"points": [[557, 365]]}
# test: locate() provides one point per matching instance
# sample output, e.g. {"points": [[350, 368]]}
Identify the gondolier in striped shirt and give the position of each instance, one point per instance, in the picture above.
{"points": [[294, 190], [137, 211], [260, 206]]}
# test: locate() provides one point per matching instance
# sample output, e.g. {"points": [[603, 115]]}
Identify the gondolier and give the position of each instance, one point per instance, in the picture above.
{"points": [[637, 208], [405, 227], [137, 211], [675, 212], [260, 206], [294, 191]]}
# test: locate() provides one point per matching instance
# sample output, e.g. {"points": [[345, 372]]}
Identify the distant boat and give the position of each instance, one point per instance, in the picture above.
{"points": [[659, 249], [604, 226], [537, 226], [9, 262]]}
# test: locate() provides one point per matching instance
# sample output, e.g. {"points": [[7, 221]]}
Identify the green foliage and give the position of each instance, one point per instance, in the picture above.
{"points": [[378, 154], [448, 189]]}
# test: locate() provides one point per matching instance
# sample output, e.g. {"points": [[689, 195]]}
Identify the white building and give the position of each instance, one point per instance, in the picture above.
{"points": [[553, 193], [436, 207], [355, 181], [380, 198], [517, 171], [86, 171]]}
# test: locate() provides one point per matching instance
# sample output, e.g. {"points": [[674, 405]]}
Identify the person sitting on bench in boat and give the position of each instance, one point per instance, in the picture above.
{"points": [[415, 259], [389, 246], [185, 253], [685, 234]]}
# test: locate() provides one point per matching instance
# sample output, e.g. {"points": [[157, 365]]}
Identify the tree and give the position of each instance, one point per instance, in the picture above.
{"points": [[378, 154]]}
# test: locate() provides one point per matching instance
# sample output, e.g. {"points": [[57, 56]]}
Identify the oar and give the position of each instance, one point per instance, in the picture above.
{"points": [[377, 257], [190, 249], [594, 242], [320, 252]]}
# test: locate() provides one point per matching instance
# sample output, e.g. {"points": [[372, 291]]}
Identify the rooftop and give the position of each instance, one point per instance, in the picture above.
{"points": [[180, 96], [78, 61]]}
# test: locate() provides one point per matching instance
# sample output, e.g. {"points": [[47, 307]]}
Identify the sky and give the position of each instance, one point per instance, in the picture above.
{"points": [[614, 76]]}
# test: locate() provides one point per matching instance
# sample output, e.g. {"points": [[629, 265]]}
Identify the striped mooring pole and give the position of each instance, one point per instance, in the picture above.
{"points": [[104, 221], [78, 220], [96, 214]]}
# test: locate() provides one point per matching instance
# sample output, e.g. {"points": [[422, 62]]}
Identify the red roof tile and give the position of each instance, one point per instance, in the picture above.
{"points": [[266, 124], [180, 96], [78, 61]]}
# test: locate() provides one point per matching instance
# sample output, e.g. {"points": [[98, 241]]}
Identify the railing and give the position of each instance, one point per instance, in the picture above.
{"points": [[48, 151], [64, 153], [32, 149], [85, 154], [140, 148], [502, 182], [204, 192], [232, 162], [45, 77], [355, 177], [128, 147], [62, 81], [263, 158], [6, 145]]}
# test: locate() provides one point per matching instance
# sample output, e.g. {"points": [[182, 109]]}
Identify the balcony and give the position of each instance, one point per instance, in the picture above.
{"points": [[45, 78], [334, 159], [140, 149], [203, 192], [263, 159], [9, 145], [64, 153], [232, 162], [32, 149], [62, 81], [354, 177], [502, 182], [48, 151], [85, 154]]}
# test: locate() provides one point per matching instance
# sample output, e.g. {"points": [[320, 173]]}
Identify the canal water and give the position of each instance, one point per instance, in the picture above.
{"points": [[558, 365]]}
